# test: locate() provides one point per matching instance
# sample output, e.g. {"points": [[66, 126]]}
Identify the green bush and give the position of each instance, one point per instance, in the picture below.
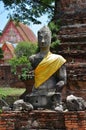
{"points": [[55, 27], [25, 49], [25, 65]]}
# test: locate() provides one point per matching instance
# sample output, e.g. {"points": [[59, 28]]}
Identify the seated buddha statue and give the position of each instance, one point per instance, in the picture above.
{"points": [[49, 73]]}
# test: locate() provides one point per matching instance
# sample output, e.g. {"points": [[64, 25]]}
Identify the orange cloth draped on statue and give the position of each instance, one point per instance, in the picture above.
{"points": [[47, 67]]}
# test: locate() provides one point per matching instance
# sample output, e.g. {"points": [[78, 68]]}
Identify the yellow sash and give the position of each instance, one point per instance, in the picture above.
{"points": [[47, 67]]}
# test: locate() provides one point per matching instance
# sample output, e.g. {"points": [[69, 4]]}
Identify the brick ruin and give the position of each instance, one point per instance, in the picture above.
{"points": [[43, 120], [8, 79], [72, 14], [73, 47], [6, 76]]}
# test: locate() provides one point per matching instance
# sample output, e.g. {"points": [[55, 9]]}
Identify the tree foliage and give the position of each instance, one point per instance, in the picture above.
{"points": [[25, 49], [30, 10], [1, 53], [55, 27], [24, 65]]}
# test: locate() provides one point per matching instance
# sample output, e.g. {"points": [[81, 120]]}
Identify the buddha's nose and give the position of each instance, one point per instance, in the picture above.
{"points": [[43, 40]]}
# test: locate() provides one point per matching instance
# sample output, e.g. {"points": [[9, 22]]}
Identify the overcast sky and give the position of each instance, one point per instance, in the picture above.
{"points": [[4, 20]]}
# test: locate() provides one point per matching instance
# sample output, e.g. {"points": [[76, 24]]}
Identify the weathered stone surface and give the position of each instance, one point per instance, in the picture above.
{"points": [[43, 120], [72, 34], [37, 120], [75, 120]]}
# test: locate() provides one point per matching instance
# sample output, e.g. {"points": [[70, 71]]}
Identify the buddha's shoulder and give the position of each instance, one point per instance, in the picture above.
{"points": [[34, 57]]}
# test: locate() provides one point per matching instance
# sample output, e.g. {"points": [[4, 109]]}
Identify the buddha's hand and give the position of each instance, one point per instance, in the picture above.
{"points": [[59, 86]]}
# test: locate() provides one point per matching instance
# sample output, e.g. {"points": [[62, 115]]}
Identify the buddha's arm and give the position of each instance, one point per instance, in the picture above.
{"points": [[62, 78]]}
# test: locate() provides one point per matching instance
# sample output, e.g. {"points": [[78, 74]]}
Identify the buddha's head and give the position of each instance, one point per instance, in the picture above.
{"points": [[44, 37]]}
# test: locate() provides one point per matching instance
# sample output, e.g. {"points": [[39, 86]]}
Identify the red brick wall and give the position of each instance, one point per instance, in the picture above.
{"points": [[72, 35], [37, 119], [8, 79], [43, 119], [75, 120]]}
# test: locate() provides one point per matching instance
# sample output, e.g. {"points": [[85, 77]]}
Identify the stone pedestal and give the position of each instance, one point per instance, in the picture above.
{"points": [[75, 120], [43, 120], [34, 120]]}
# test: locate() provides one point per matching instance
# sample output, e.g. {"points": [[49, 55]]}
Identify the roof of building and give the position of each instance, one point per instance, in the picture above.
{"points": [[25, 32], [10, 47]]}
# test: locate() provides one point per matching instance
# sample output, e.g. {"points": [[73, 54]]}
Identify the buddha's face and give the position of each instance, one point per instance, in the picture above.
{"points": [[44, 39]]}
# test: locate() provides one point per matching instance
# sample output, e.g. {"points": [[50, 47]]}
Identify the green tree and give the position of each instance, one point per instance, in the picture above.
{"points": [[25, 49], [21, 61], [1, 53], [0, 32], [31, 10]]}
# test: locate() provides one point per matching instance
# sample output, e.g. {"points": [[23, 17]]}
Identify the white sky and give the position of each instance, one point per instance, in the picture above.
{"points": [[33, 27]]}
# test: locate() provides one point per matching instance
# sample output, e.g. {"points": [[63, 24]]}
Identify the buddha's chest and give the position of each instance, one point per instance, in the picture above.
{"points": [[36, 60]]}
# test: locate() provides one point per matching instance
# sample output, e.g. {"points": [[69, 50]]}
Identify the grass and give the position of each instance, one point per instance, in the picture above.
{"points": [[11, 91]]}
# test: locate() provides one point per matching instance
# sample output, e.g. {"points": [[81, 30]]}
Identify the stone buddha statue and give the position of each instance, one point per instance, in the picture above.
{"points": [[50, 74]]}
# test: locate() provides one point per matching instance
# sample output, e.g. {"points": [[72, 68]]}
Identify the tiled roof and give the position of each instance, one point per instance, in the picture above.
{"points": [[26, 32], [10, 47], [23, 31]]}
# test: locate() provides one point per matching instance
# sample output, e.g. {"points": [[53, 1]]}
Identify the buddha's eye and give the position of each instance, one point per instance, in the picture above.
{"points": [[40, 37], [46, 36]]}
